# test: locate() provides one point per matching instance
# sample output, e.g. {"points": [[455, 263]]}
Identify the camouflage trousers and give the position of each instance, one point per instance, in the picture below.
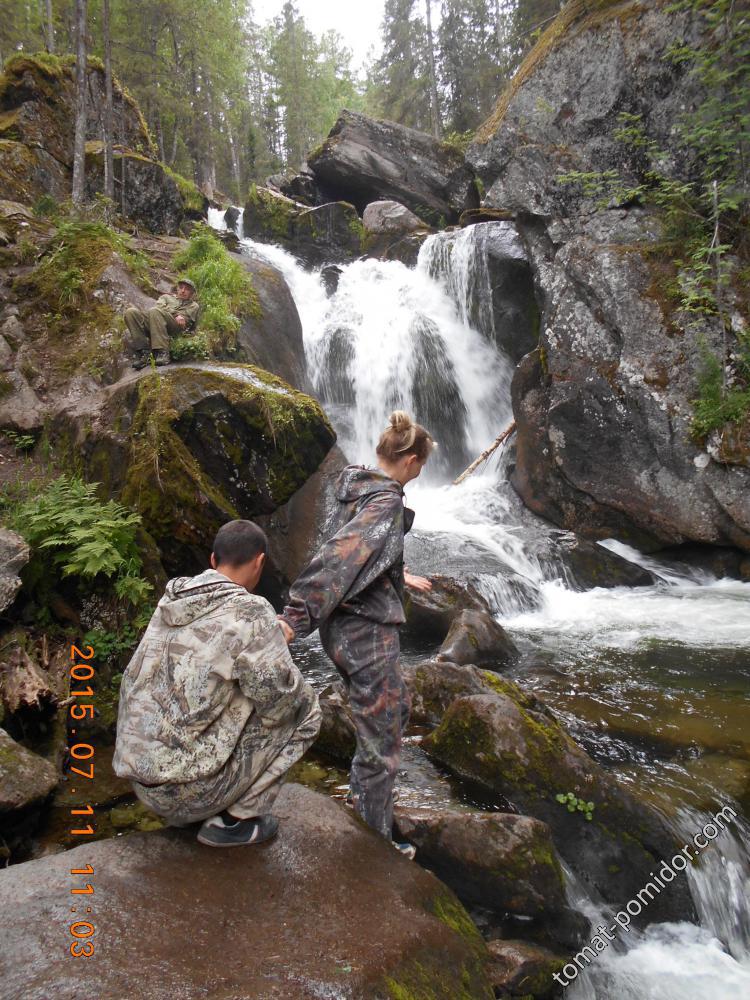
{"points": [[150, 330], [249, 781], [366, 655]]}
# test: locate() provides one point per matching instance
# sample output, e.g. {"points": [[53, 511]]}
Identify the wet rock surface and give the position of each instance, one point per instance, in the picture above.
{"points": [[272, 338], [296, 918], [520, 969], [507, 743], [498, 861], [429, 614], [475, 637]]}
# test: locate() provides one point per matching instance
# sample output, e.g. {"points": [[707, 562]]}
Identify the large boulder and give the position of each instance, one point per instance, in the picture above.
{"points": [[391, 218], [475, 637], [324, 234], [498, 861], [429, 614], [153, 196], [507, 746], [604, 407], [14, 554], [296, 918], [271, 337], [364, 160], [193, 446], [523, 969]]}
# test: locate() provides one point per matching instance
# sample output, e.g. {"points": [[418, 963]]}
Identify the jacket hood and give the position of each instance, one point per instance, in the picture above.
{"points": [[357, 481], [188, 598]]}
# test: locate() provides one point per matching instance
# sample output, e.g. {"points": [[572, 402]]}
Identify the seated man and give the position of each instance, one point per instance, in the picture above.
{"points": [[213, 712], [150, 331]]}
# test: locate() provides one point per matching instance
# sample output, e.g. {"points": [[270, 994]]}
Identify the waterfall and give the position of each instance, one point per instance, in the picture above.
{"points": [[393, 338]]}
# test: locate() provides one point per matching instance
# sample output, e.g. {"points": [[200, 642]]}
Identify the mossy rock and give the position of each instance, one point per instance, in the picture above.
{"points": [[511, 746], [192, 447]]}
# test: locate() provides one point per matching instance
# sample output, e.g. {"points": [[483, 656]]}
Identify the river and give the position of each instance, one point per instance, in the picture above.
{"points": [[654, 681]]}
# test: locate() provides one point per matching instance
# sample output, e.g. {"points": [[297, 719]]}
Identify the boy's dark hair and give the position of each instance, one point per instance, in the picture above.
{"points": [[238, 542]]}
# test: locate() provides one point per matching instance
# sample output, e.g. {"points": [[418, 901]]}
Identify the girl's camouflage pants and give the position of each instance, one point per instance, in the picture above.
{"points": [[366, 655]]}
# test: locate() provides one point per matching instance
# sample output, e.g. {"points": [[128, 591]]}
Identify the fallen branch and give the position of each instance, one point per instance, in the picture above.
{"points": [[486, 453]]}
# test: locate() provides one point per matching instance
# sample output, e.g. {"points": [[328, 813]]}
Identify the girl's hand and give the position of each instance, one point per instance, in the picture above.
{"points": [[417, 582], [286, 628]]}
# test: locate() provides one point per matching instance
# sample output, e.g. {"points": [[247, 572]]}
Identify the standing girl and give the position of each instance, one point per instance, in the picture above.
{"points": [[353, 591]]}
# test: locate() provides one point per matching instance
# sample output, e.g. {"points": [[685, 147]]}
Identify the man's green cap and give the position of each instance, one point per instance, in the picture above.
{"points": [[188, 282]]}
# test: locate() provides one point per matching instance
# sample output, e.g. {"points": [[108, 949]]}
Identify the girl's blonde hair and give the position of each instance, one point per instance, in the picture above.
{"points": [[404, 437]]}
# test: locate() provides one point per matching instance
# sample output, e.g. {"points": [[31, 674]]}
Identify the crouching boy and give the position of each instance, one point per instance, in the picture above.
{"points": [[213, 712]]}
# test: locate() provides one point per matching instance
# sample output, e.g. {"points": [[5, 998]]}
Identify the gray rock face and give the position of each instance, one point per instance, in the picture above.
{"points": [[504, 743], [364, 160], [152, 197], [604, 409], [296, 918], [25, 778], [475, 637], [390, 217], [499, 861], [20, 407], [14, 554], [273, 339]]}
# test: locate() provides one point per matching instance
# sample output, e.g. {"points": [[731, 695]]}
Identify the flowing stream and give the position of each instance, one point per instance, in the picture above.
{"points": [[654, 681]]}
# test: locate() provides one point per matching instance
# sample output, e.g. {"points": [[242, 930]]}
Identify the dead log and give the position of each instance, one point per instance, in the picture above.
{"points": [[486, 453]]}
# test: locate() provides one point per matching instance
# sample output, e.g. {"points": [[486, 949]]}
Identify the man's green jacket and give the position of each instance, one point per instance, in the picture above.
{"points": [[176, 307]]}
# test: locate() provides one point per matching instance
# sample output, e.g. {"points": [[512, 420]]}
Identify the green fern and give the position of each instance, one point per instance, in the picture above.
{"points": [[72, 533]]}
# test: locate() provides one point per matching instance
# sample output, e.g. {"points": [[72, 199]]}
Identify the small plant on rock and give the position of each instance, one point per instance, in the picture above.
{"points": [[573, 804]]}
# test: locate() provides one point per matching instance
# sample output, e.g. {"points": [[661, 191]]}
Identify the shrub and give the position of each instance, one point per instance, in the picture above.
{"points": [[225, 289]]}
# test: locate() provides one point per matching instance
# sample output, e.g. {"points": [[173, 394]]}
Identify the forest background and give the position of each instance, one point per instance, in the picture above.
{"points": [[230, 100]]}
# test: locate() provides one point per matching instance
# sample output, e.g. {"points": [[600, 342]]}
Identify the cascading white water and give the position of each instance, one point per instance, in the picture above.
{"points": [[370, 347]]}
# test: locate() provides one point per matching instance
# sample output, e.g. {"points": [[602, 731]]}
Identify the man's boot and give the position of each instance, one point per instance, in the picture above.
{"points": [[141, 359], [161, 358]]}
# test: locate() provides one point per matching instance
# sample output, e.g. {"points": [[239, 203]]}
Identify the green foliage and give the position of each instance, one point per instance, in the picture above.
{"points": [[573, 804], [21, 442], [46, 207], [225, 289], [192, 347], [458, 142], [191, 195], [72, 533], [26, 250], [112, 645], [74, 260]]}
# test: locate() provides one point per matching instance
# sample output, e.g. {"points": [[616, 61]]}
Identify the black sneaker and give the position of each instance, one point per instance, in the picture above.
{"points": [[161, 358], [226, 831]]}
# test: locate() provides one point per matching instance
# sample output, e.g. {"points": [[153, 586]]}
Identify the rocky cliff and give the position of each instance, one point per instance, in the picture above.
{"points": [[604, 406]]}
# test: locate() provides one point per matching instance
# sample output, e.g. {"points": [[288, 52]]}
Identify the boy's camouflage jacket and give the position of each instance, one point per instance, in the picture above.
{"points": [[360, 569], [212, 655]]}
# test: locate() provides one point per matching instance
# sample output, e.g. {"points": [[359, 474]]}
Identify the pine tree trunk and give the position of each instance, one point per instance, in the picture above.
{"points": [[49, 27], [79, 148], [434, 107], [109, 174]]}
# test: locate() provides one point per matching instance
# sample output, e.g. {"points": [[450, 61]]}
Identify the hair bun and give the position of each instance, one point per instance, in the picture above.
{"points": [[400, 421]]}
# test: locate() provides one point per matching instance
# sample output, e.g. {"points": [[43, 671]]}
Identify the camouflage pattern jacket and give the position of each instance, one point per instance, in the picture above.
{"points": [[177, 307], [211, 657], [360, 569]]}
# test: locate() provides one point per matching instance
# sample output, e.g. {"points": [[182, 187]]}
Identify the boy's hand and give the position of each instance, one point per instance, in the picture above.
{"points": [[417, 582], [286, 629]]}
